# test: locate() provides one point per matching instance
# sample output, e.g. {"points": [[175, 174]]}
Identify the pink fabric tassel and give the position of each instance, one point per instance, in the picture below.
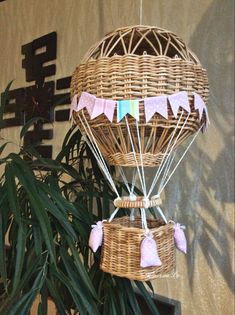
{"points": [[96, 236], [148, 252], [180, 239]]}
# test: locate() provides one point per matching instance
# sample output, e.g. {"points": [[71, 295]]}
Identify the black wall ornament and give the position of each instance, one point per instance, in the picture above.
{"points": [[40, 99]]}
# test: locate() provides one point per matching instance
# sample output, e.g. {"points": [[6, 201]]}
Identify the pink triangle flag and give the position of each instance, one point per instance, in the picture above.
{"points": [[199, 104], [73, 105], [102, 106], [177, 100], [86, 101], [156, 104]]}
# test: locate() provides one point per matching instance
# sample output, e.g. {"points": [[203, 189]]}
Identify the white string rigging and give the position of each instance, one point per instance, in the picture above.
{"points": [[164, 160], [121, 172], [96, 151], [141, 160], [141, 11], [133, 149], [164, 167], [185, 151]]}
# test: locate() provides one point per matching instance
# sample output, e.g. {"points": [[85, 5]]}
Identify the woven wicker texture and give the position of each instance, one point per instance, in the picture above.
{"points": [[126, 202], [134, 63], [121, 248]]}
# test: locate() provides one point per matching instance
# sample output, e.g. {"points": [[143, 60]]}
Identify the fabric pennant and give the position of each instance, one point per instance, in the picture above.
{"points": [[156, 104], [177, 100], [125, 107], [86, 101], [103, 106], [199, 105], [73, 106]]}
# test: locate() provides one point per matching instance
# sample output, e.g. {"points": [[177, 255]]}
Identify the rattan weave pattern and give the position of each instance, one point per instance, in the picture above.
{"points": [[135, 63], [121, 248], [139, 202]]}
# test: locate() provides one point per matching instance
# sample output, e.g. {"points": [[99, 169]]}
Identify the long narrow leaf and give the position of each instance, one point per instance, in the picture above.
{"points": [[67, 282], [21, 243], [79, 287], [3, 147], [62, 217], [3, 269], [147, 298], [13, 298], [128, 288], [81, 269], [39, 209], [56, 297], [23, 306], [12, 191], [29, 124]]}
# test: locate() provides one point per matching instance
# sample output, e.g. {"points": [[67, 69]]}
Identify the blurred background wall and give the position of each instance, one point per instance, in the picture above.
{"points": [[201, 192]]}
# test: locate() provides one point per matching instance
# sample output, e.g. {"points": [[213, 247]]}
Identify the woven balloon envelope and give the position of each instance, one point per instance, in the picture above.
{"points": [[138, 63], [136, 96]]}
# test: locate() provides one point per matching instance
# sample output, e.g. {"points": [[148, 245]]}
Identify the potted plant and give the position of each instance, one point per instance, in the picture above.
{"points": [[46, 211]]}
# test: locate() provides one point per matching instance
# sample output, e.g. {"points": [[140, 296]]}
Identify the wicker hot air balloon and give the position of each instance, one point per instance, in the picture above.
{"points": [[137, 95]]}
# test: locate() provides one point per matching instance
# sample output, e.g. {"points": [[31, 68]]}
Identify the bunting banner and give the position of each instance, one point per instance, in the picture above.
{"points": [[86, 101], [127, 107], [201, 107], [178, 100], [199, 104], [73, 106], [157, 104], [102, 106]]}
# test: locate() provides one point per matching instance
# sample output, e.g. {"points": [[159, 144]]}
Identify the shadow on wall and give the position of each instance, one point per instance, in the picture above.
{"points": [[210, 180]]}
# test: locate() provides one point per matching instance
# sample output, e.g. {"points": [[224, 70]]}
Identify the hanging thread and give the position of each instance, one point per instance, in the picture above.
{"points": [[141, 11]]}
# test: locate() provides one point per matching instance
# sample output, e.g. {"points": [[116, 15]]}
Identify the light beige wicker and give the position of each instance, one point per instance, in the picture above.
{"points": [[121, 248], [126, 202], [134, 63]]}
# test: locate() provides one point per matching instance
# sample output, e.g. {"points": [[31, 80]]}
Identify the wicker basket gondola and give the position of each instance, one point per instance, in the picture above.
{"points": [[121, 248], [135, 63]]}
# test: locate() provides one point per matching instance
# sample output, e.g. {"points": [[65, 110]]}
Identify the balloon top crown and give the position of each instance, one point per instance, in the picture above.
{"points": [[141, 40]]}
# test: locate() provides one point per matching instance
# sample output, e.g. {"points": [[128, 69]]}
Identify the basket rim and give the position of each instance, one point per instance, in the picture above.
{"points": [[139, 202], [163, 227]]}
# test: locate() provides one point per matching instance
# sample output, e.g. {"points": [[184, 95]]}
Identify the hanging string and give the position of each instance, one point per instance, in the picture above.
{"points": [[101, 166], [133, 149], [133, 180], [161, 214], [162, 164], [166, 172], [96, 151], [173, 146], [143, 219], [189, 145], [132, 215], [124, 178], [141, 11], [141, 159], [113, 215]]}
